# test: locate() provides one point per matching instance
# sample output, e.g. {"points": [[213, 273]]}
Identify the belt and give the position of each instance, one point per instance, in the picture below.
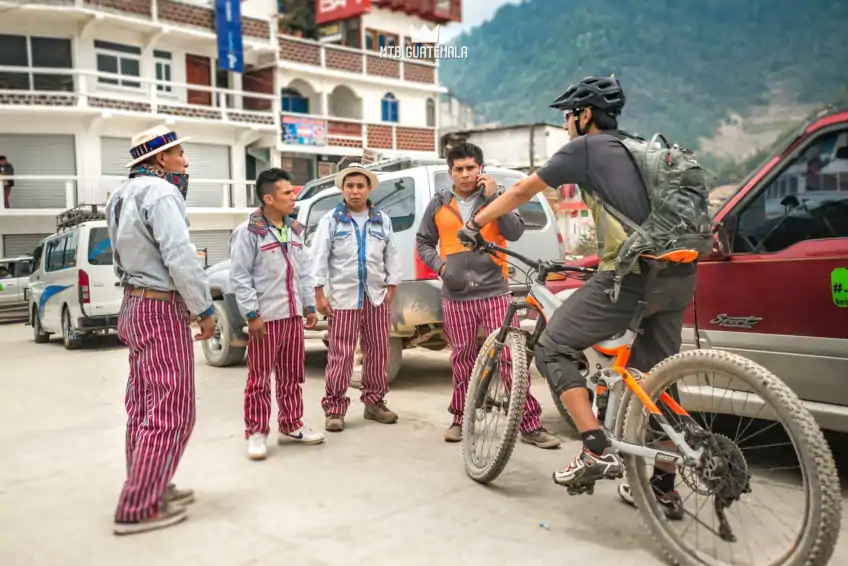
{"points": [[167, 296]]}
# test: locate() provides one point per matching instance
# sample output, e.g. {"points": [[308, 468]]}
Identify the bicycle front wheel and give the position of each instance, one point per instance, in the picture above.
{"points": [[731, 483], [493, 410]]}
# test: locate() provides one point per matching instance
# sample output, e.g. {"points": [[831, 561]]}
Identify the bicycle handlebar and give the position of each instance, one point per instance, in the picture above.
{"points": [[542, 266]]}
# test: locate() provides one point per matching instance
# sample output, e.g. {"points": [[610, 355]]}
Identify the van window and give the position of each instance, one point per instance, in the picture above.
{"points": [[55, 256], [99, 247], [807, 201], [71, 249], [36, 257], [533, 212]]}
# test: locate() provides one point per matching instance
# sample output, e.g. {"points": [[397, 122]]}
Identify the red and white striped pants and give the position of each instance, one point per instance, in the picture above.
{"points": [[160, 400], [280, 351], [369, 325], [462, 318]]}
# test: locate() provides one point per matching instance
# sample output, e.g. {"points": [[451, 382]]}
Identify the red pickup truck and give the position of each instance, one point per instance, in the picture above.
{"points": [[775, 288]]}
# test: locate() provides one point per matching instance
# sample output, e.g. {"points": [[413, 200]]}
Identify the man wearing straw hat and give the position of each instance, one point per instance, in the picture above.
{"points": [[356, 273], [165, 288]]}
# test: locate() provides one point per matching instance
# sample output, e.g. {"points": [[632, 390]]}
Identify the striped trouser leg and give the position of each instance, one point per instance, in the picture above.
{"points": [[162, 354], [344, 333], [262, 359], [134, 400], [461, 321], [494, 311], [374, 332], [290, 373]]}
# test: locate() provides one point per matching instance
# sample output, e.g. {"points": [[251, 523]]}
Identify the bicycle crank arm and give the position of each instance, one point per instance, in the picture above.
{"points": [[645, 452]]}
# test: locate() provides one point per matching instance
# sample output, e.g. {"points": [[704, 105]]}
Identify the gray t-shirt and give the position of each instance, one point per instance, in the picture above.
{"points": [[467, 205]]}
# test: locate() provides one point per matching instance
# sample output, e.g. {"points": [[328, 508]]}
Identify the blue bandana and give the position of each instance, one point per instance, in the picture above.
{"points": [[179, 180]]}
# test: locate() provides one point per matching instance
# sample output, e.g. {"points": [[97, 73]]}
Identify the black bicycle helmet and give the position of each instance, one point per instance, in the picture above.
{"points": [[601, 93]]}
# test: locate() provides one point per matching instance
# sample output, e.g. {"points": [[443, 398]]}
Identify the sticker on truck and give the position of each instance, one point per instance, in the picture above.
{"points": [[839, 286]]}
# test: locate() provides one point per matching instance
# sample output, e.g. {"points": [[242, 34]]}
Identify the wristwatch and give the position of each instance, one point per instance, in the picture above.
{"points": [[473, 225], [309, 310], [252, 315], [205, 314]]}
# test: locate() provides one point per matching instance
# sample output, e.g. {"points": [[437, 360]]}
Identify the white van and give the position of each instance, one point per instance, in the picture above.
{"points": [[73, 289]]}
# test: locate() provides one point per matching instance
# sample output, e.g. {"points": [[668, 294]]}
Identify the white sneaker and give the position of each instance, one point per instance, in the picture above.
{"points": [[303, 435], [256, 448]]}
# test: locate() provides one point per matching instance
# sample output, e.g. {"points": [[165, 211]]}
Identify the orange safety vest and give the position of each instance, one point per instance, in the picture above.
{"points": [[449, 223]]}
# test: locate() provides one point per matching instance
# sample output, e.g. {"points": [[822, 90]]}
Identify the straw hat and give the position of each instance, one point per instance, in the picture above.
{"points": [[355, 169], [153, 141]]}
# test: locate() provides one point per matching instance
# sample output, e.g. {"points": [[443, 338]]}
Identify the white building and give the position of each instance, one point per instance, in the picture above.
{"points": [[454, 114], [80, 77], [525, 147]]}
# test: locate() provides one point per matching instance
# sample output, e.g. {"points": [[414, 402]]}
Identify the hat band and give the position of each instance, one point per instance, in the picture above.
{"points": [[152, 145]]}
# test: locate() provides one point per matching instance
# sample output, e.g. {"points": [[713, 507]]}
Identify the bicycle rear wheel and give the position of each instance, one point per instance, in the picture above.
{"points": [[485, 448], [724, 476]]}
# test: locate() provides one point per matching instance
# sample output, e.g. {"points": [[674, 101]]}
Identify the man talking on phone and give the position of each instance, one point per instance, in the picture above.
{"points": [[475, 288]]}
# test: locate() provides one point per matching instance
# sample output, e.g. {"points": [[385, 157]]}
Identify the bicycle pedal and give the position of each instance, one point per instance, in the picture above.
{"points": [[587, 488]]}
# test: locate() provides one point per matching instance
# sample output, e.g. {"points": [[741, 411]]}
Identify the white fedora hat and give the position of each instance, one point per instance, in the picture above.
{"points": [[150, 142], [355, 169]]}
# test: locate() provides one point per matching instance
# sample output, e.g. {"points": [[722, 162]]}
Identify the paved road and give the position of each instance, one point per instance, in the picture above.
{"points": [[376, 495]]}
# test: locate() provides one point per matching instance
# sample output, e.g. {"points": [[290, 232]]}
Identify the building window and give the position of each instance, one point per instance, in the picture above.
{"points": [[374, 40], [431, 113], [293, 101], [39, 52], [118, 59], [443, 7], [389, 108], [163, 70]]}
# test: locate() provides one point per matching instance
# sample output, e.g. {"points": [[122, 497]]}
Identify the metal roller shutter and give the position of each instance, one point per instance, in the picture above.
{"points": [[37, 154], [15, 245], [216, 243], [206, 161], [114, 155]]}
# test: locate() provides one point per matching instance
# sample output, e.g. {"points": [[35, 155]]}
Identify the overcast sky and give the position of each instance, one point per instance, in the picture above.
{"points": [[474, 13]]}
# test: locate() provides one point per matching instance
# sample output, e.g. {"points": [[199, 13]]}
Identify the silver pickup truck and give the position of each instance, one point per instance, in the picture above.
{"points": [[406, 186]]}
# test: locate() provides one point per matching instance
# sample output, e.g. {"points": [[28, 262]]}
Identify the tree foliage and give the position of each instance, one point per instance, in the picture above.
{"points": [[686, 65]]}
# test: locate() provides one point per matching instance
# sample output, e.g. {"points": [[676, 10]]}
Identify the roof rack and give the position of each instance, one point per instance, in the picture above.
{"points": [[75, 216], [387, 165]]}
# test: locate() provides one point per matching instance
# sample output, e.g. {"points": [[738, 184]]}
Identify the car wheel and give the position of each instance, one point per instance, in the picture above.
{"points": [[71, 340], [38, 334], [395, 361], [218, 350]]}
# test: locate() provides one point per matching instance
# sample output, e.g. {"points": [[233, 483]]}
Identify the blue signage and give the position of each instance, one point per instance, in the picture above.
{"points": [[228, 27]]}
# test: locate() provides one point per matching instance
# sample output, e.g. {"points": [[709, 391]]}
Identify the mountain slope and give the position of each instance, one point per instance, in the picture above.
{"points": [[686, 65]]}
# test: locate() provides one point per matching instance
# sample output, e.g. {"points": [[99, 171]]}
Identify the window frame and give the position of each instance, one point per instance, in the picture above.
{"points": [[164, 71], [390, 108], [374, 36], [33, 76], [293, 98], [105, 49], [430, 112], [50, 253], [765, 186], [94, 243]]}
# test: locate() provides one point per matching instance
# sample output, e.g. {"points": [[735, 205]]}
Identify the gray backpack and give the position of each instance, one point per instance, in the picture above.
{"points": [[678, 192]]}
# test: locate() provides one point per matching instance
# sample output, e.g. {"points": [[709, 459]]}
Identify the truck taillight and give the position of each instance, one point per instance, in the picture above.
{"points": [[82, 281], [421, 269]]}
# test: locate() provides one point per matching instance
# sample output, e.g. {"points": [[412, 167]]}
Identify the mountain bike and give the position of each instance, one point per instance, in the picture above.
{"points": [[627, 402]]}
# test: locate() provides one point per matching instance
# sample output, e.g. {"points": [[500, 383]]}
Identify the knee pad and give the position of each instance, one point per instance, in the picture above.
{"points": [[559, 370]]}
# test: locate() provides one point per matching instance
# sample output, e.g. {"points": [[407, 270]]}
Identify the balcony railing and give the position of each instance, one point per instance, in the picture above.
{"points": [[85, 88], [358, 61], [48, 194]]}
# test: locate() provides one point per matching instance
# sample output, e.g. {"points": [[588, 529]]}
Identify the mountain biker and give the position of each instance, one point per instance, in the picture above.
{"points": [[605, 173]]}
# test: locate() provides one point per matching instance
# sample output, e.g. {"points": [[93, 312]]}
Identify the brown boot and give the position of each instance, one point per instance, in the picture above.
{"points": [[334, 423], [380, 413], [454, 433], [541, 438]]}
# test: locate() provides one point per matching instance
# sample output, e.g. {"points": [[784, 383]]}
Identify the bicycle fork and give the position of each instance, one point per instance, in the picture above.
{"points": [[495, 353]]}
